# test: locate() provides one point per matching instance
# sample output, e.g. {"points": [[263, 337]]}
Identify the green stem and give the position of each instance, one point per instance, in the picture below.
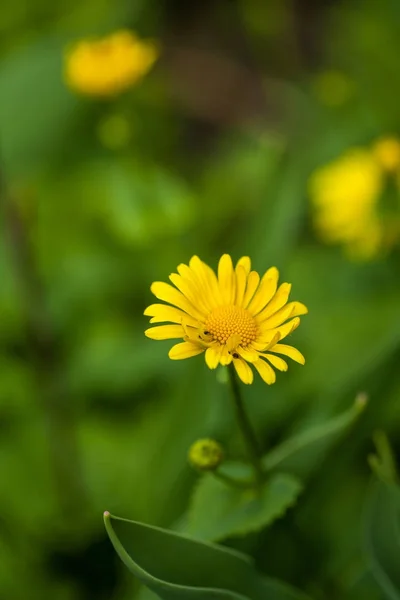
{"points": [[246, 428]]}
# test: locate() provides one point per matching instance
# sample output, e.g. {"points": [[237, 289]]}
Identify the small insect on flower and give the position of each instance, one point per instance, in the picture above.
{"points": [[109, 65], [233, 317]]}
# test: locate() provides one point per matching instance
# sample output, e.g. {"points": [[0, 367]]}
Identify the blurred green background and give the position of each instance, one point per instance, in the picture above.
{"points": [[210, 153]]}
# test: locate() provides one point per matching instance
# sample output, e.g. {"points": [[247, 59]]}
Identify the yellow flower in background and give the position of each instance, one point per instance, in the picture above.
{"points": [[347, 197], [387, 152], [345, 194], [109, 65], [233, 316]]}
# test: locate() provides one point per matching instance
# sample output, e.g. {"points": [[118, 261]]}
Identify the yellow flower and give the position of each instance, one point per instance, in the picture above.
{"points": [[345, 194], [109, 65], [387, 153], [234, 316]]}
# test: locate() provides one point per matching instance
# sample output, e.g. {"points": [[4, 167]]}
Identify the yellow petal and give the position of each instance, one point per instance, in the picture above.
{"points": [[162, 313], [233, 341], [167, 293], [265, 342], [276, 361], [165, 332], [293, 309], [289, 351], [191, 278], [288, 328], [189, 291], [241, 280], [248, 354], [275, 339], [244, 262], [225, 278], [208, 278], [278, 318], [243, 370], [184, 350], [199, 286], [226, 357], [252, 284], [213, 355], [266, 371], [265, 292], [186, 272], [271, 273], [279, 300]]}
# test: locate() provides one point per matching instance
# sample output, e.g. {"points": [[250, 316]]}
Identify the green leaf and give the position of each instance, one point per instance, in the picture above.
{"points": [[383, 462], [36, 108], [382, 536], [144, 201], [300, 454], [175, 567], [219, 510]]}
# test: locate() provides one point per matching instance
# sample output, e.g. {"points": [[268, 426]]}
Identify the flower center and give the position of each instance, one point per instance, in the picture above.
{"points": [[103, 49], [227, 321]]}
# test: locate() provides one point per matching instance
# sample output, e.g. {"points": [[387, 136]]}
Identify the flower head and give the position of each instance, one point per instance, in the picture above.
{"points": [[109, 65], [345, 193], [233, 316], [356, 198]]}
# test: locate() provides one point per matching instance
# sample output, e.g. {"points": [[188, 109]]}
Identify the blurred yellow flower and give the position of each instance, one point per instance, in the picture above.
{"points": [[110, 65], [345, 193], [233, 316], [387, 153]]}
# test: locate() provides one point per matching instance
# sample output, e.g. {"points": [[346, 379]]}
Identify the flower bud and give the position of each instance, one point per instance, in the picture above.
{"points": [[205, 454]]}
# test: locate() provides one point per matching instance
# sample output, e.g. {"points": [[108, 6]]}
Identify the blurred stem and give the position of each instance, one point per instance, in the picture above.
{"points": [[43, 355], [246, 428]]}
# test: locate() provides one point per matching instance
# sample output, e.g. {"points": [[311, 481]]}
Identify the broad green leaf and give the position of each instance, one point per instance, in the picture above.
{"points": [[36, 108], [174, 566], [382, 536], [219, 510], [299, 454]]}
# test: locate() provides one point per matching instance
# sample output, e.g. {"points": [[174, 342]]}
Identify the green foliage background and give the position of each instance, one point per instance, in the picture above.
{"points": [[211, 153]]}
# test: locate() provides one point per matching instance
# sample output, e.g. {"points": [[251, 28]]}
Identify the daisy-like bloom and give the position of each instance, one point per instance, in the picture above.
{"points": [[109, 65], [233, 316], [347, 199], [345, 196]]}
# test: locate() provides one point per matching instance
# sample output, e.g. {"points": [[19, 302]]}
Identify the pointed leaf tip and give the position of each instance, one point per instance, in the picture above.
{"points": [[176, 567]]}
